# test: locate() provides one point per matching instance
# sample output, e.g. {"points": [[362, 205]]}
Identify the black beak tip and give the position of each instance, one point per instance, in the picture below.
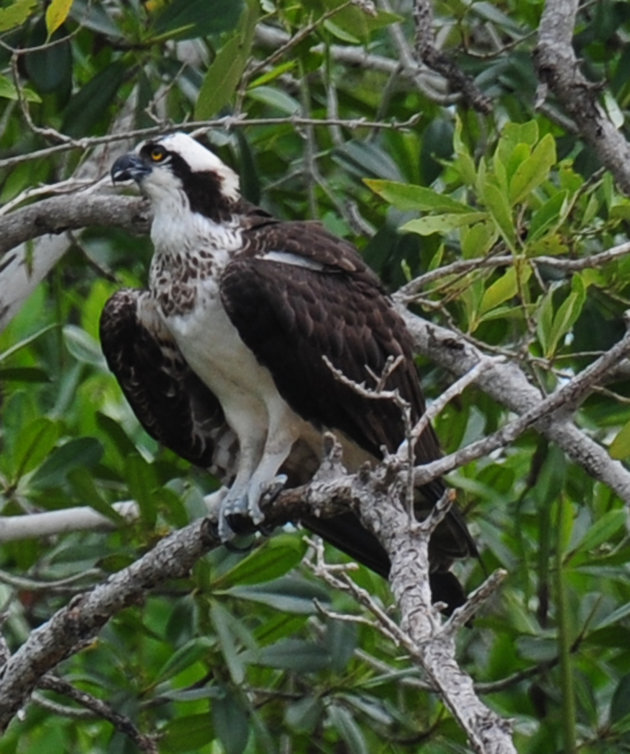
{"points": [[129, 167]]}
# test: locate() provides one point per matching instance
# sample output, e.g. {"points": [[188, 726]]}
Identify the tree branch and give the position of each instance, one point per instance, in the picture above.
{"points": [[438, 61], [70, 628], [508, 385], [559, 70], [69, 212], [98, 708]]}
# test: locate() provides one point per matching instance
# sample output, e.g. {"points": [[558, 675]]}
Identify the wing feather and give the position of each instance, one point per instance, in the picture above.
{"points": [[170, 401]]}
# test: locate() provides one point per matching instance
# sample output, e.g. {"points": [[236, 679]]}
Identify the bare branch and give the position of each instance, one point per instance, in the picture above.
{"points": [[440, 62], [100, 709], [410, 290], [69, 212], [15, 528], [227, 122], [559, 70], [430, 84]]}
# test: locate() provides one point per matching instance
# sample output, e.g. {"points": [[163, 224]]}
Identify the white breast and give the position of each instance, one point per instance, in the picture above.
{"points": [[212, 346]]}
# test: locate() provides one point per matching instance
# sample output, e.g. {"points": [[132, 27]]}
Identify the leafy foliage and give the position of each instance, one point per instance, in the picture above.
{"points": [[240, 657]]}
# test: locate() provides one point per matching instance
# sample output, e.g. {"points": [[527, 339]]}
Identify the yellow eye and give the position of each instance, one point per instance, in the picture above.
{"points": [[157, 154]]}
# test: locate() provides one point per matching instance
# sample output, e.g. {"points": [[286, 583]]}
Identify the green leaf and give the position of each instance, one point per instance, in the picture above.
{"points": [[115, 432], [142, 482], [602, 530], [341, 642], [231, 723], [34, 443], [83, 346], [276, 99], [9, 91], [565, 317], [90, 104], [56, 14], [16, 13], [289, 594], [442, 224], [26, 342], [225, 72], [187, 19], [76, 453], [294, 654], [85, 489], [367, 158], [184, 657], [50, 66], [303, 716], [340, 33], [347, 727], [534, 170], [277, 557], [463, 163], [513, 134], [187, 734], [499, 207], [615, 617], [544, 319], [477, 240], [548, 217], [503, 289], [234, 659], [620, 446], [272, 74], [620, 702], [407, 196]]}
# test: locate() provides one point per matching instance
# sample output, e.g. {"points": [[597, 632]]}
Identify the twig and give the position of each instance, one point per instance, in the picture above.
{"points": [[298, 37], [36, 585], [227, 122], [457, 388], [409, 291], [102, 710], [437, 60]]}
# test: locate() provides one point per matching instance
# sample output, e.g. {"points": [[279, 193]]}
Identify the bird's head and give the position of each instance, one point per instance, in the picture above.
{"points": [[177, 168]]}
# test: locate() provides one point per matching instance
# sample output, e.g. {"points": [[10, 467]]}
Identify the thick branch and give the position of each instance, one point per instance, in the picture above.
{"points": [[69, 212], [558, 68]]}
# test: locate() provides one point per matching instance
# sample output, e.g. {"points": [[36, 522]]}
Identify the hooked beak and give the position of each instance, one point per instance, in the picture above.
{"points": [[130, 167]]}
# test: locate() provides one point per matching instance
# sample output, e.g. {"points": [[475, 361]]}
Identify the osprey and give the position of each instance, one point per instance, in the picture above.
{"points": [[226, 358]]}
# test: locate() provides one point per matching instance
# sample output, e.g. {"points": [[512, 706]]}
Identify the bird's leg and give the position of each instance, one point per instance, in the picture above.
{"points": [[235, 503], [265, 481]]}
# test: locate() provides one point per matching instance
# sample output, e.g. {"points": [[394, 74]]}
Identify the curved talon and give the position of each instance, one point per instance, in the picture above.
{"points": [[224, 530], [268, 495], [247, 505]]}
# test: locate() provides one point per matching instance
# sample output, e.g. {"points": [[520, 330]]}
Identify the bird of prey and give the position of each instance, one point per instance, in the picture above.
{"points": [[226, 357]]}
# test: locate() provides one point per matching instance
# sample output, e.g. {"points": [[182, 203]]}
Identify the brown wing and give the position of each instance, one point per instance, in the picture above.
{"points": [[292, 316], [170, 401]]}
